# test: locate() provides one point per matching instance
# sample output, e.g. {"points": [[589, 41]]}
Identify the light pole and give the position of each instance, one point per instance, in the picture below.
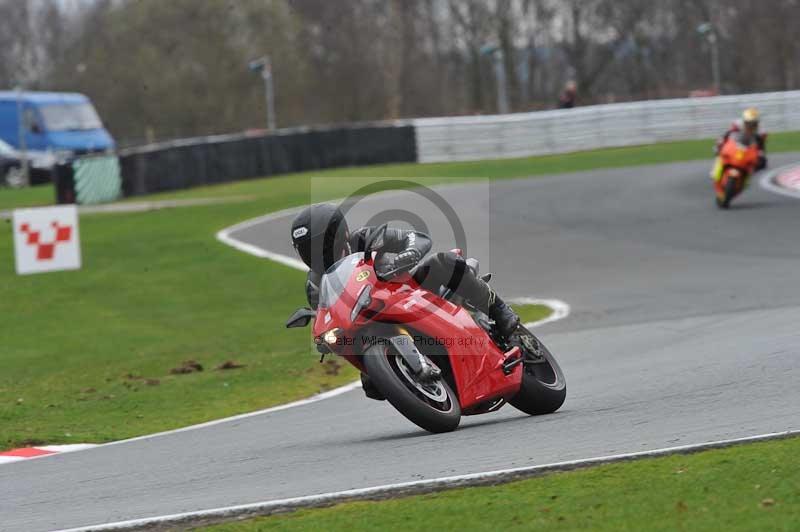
{"points": [[22, 126], [263, 66], [707, 30], [499, 74]]}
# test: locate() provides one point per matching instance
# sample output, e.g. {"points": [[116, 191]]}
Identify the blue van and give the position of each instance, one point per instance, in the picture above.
{"points": [[56, 125]]}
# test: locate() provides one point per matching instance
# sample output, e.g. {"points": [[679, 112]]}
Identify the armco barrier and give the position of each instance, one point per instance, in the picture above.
{"points": [[599, 126], [203, 161]]}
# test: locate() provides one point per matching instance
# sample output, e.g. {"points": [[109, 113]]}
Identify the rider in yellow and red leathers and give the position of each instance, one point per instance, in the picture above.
{"points": [[744, 131]]}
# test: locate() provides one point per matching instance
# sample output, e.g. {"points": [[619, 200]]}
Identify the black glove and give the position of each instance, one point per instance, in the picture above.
{"points": [[405, 260]]}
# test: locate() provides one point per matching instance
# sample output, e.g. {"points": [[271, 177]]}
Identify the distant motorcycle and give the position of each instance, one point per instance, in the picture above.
{"points": [[738, 164], [429, 355]]}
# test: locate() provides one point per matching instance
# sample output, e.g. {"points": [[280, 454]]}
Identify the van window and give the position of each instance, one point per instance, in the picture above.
{"points": [[30, 121], [6, 150], [70, 117]]}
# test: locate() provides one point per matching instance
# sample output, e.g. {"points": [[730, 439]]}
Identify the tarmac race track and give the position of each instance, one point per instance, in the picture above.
{"points": [[685, 328]]}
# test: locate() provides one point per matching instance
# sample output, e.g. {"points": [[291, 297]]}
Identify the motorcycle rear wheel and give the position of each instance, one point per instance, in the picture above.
{"points": [[544, 388], [432, 406]]}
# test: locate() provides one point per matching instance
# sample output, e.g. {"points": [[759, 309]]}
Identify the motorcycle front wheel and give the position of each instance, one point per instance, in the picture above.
{"points": [[544, 387], [432, 405], [731, 190]]}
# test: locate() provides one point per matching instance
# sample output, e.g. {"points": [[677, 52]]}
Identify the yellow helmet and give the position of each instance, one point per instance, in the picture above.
{"points": [[750, 116]]}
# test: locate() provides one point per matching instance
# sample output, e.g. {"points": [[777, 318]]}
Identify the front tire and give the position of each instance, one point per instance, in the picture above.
{"points": [[544, 388], [432, 406], [731, 188]]}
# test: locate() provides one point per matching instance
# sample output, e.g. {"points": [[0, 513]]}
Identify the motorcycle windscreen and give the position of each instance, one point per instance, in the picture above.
{"points": [[335, 279]]}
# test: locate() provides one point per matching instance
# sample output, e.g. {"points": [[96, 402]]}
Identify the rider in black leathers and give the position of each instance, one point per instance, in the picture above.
{"points": [[320, 236]]}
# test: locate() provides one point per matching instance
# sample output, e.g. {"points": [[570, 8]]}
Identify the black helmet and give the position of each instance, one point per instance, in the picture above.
{"points": [[319, 235]]}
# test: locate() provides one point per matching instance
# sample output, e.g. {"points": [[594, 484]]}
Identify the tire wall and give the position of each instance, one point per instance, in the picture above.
{"points": [[195, 162]]}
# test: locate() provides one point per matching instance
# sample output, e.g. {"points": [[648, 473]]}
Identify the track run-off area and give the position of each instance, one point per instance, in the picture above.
{"points": [[683, 330]]}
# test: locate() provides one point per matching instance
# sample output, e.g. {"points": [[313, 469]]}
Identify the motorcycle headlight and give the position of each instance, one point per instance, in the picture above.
{"points": [[331, 337]]}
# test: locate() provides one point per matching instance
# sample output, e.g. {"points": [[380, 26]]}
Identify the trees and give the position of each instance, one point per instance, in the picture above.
{"points": [[165, 69], [24, 37], [160, 69]]}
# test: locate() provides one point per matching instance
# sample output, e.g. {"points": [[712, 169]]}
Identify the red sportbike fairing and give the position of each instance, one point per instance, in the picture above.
{"points": [[430, 357]]}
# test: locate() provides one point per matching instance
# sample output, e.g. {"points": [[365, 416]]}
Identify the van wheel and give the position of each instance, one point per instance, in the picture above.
{"points": [[14, 177]]}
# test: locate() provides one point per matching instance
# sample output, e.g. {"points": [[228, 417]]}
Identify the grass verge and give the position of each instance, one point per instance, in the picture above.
{"points": [[743, 488], [88, 356], [530, 313]]}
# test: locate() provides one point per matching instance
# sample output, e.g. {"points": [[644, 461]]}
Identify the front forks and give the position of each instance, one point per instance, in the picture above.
{"points": [[420, 365]]}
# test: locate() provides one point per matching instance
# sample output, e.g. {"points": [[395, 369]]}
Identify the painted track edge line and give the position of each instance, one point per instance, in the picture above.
{"points": [[560, 309], [410, 488], [301, 402], [767, 182]]}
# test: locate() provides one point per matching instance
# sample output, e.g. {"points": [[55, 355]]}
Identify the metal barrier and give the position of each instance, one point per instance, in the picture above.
{"points": [[598, 126]]}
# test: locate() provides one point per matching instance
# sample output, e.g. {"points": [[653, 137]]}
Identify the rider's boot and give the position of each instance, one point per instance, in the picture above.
{"points": [[505, 319], [481, 295]]}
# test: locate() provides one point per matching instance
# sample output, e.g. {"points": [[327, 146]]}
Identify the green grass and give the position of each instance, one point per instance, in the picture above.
{"points": [[751, 487], [12, 198], [529, 313], [86, 355]]}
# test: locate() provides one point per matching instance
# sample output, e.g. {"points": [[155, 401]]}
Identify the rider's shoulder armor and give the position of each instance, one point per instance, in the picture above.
{"points": [[392, 238]]}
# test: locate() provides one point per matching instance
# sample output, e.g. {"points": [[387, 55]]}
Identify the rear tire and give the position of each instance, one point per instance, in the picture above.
{"points": [[417, 402], [544, 388]]}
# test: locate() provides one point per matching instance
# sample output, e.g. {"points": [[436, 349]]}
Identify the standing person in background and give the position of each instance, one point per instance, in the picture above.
{"points": [[568, 97]]}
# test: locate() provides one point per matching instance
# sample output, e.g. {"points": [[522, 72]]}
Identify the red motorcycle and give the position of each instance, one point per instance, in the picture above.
{"points": [[430, 355], [733, 168]]}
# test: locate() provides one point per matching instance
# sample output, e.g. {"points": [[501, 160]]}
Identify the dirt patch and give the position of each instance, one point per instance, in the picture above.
{"points": [[187, 366], [230, 364]]}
